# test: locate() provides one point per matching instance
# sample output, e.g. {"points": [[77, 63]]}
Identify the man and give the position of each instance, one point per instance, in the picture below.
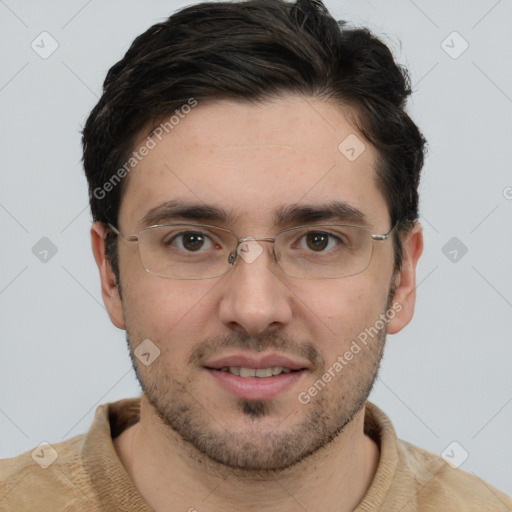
{"points": [[253, 182]]}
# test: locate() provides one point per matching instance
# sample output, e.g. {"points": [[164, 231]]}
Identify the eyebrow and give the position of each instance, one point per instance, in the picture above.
{"points": [[178, 210]]}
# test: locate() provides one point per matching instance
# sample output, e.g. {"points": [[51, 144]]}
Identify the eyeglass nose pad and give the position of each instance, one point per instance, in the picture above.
{"points": [[277, 257], [232, 257]]}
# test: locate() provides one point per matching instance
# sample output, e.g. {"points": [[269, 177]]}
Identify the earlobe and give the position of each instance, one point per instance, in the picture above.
{"points": [[109, 290], [404, 297]]}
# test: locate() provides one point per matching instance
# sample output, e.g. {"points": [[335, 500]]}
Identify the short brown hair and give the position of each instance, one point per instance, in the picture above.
{"points": [[250, 51]]}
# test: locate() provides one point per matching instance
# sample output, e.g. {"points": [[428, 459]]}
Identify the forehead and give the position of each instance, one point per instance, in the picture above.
{"points": [[254, 161]]}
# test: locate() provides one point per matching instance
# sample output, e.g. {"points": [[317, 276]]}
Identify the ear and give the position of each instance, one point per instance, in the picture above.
{"points": [[109, 290], [405, 281]]}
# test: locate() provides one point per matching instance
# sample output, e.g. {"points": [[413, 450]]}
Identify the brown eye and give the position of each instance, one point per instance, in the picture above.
{"points": [[190, 241], [317, 241], [193, 241]]}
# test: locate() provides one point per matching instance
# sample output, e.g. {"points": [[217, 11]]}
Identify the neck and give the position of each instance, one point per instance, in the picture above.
{"points": [[166, 470]]}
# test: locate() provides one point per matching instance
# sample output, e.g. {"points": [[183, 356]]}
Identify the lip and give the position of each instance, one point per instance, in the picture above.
{"points": [[255, 388], [255, 362]]}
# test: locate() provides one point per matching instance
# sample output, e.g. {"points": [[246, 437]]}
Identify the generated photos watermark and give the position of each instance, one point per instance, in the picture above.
{"points": [[304, 397], [144, 149]]}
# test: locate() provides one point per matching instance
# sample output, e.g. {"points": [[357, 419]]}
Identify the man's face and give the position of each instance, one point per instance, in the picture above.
{"points": [[251, 161]]}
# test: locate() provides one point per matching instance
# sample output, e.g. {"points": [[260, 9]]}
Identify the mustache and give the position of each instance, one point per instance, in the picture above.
{"points": [[273, 341]]}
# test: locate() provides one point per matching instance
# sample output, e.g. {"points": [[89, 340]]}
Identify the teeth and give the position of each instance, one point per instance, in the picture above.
{"points": [[247, 372], [262, 373]]}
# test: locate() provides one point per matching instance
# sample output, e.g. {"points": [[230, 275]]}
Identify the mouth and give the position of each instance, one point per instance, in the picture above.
{"points": [[256, 378], [260, 373]]}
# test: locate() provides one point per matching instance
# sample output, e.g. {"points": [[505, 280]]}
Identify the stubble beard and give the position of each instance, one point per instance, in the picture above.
{"points": [[255, 451]]}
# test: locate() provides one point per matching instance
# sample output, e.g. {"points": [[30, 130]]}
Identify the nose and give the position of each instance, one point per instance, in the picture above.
{"points": [[254, 296]]}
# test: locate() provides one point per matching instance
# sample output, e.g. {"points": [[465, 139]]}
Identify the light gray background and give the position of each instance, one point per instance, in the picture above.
{"points": [[445, 378]]}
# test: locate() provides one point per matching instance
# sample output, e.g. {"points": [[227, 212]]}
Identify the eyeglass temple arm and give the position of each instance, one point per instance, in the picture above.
{"points": [[132, 238], [385, 236]]}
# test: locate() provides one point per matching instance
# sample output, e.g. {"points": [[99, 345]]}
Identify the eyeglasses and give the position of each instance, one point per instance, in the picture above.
{"points": [[200, 251]]}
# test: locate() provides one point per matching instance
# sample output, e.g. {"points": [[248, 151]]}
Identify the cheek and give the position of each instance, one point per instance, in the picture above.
{"points": [[341, 310], [169, 314], [164, 309]]}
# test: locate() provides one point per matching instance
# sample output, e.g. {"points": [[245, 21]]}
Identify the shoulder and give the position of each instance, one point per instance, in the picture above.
{"points": [[48, 477], [442, 487]]}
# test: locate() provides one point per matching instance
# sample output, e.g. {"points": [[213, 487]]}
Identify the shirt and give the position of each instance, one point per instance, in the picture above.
{"points": [[84, 473]]}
